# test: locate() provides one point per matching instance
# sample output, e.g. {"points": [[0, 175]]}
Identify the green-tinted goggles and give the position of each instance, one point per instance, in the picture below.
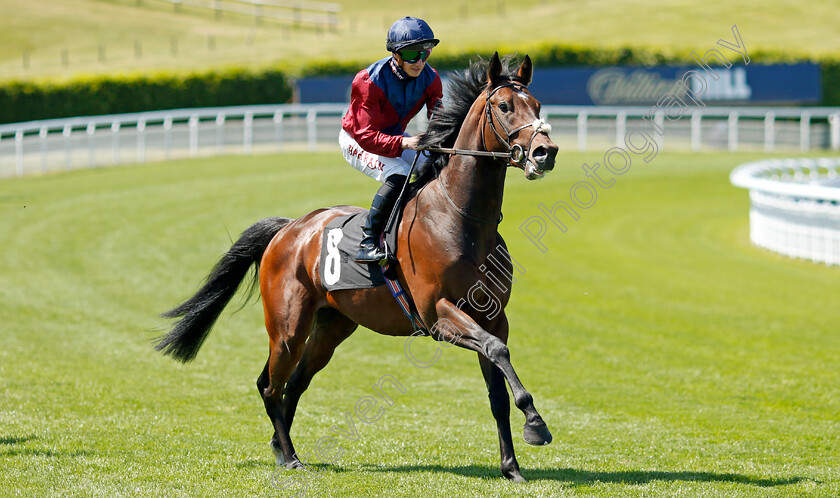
{"points": [[412, 56]]}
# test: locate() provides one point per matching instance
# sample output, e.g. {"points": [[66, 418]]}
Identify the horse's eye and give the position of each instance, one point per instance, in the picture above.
{"points": [[503, 107]]}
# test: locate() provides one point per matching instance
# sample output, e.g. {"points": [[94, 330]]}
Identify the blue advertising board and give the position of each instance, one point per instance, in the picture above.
{"points": [[325, 89], [772, 84], [737, 85]]}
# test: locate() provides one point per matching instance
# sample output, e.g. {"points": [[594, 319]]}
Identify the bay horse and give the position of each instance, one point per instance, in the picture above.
{"points": [[449, 228]]}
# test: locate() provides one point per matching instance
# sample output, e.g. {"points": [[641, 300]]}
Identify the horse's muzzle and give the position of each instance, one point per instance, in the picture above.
{"points": [[544, 156]]}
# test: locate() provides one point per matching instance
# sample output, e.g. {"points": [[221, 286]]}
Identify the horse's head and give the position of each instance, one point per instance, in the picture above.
{"points": [[512, 120]]}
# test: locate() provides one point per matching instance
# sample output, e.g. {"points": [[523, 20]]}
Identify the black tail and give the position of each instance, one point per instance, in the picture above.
{"points": [[199, 313]]}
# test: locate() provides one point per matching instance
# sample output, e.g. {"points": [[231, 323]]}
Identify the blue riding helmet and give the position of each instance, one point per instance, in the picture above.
{"points": [[410, 32]]}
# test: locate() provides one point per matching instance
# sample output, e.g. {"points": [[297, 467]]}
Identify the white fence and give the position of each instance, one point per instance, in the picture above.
{"points": [[86, 142], [63, 144], [765, 129], [794, 206]]}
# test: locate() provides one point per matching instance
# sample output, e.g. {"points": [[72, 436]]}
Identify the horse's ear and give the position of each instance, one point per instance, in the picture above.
{"points": [[526, 71], [494, 71]]}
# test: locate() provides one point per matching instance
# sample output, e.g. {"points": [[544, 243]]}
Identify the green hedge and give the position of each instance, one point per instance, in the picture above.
{"points": [[831, 83], [86, 96], [83, 96]]}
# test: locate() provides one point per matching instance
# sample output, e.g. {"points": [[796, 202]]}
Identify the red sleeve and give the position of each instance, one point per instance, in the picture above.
{"points": [[369, 113]]}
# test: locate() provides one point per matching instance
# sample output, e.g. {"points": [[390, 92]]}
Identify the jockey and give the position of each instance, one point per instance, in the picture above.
{"points": [[383, 99]]}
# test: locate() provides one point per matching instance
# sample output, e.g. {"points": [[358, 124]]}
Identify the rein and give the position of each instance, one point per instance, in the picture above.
{"points": [[467, 152]]}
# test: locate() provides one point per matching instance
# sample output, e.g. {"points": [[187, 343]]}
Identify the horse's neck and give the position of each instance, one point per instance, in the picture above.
{"points": [[475, 185]]}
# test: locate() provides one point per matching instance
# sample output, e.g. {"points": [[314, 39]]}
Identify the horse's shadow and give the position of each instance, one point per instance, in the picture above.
{"points": [[578, 477]]}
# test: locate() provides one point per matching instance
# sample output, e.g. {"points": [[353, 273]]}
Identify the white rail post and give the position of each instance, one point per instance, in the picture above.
{"points": [[732, 123], [91, 129], [248, 132], [42, 135], [193, 127], [805, 131], [278, 129], [581, 130], [19, 152], [141, 141], [769, 131], [167, 136], [834, 125], [620, 128], [312, 130], [68, 146], [220, 133], [115, 142], [696, 131], [659, 120]]}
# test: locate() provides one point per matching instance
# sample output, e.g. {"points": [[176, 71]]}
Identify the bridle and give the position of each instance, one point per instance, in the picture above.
{"points": [[518, 157], [516, 154]]}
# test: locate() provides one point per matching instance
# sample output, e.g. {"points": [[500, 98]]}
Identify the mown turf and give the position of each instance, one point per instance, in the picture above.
{"points": [[668, 356]]}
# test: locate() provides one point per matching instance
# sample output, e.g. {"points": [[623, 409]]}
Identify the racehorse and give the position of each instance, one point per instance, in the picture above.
{"points": [[449, 228]]}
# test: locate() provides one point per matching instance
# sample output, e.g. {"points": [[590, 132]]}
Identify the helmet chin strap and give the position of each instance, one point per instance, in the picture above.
{"points": [[399, 71]]}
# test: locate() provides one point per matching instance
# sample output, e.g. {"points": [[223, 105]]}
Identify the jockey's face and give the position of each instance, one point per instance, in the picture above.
{"points": [[412, 69]]}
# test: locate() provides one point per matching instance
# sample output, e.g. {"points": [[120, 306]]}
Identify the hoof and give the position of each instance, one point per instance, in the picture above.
{"points": [[538, 435], [295, 465], [517, 478], [279, 458]]}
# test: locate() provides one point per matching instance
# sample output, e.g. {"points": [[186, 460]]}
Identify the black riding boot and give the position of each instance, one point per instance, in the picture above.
{"points": [[380, 209]]}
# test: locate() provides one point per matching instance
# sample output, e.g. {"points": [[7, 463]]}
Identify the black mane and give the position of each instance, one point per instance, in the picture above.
{"points": [[463, 88]]}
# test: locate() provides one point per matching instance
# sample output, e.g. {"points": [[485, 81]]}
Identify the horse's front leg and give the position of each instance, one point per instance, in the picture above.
{"points": [[500, 406], [456, 327]]}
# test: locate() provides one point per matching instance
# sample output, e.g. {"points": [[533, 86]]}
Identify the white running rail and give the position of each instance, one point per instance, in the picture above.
{"points": [[86, 142], [61, 144], [794, 206]]}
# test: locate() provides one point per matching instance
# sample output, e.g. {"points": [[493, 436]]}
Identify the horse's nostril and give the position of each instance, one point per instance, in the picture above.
{"points": [[544, 157]]}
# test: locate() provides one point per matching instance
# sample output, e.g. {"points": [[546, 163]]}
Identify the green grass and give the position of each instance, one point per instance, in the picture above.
{"points": [[668, 355], [43, 29]]}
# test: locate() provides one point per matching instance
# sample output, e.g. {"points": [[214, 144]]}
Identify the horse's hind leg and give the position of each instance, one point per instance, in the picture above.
{"points": [[287, 332], [262, 385], [330, 330]]}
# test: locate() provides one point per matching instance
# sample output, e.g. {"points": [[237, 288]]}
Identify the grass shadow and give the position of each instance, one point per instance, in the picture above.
{"points": [[12, 450], [35, 452], [254, 463], [10, 440], [577, 477], [268, 464]]}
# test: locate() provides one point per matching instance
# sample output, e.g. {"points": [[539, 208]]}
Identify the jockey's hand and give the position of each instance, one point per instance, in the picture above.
{"points": [[411, 143]]}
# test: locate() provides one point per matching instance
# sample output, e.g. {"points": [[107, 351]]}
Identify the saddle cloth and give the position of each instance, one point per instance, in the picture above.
{"points": [[339, 270]]}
